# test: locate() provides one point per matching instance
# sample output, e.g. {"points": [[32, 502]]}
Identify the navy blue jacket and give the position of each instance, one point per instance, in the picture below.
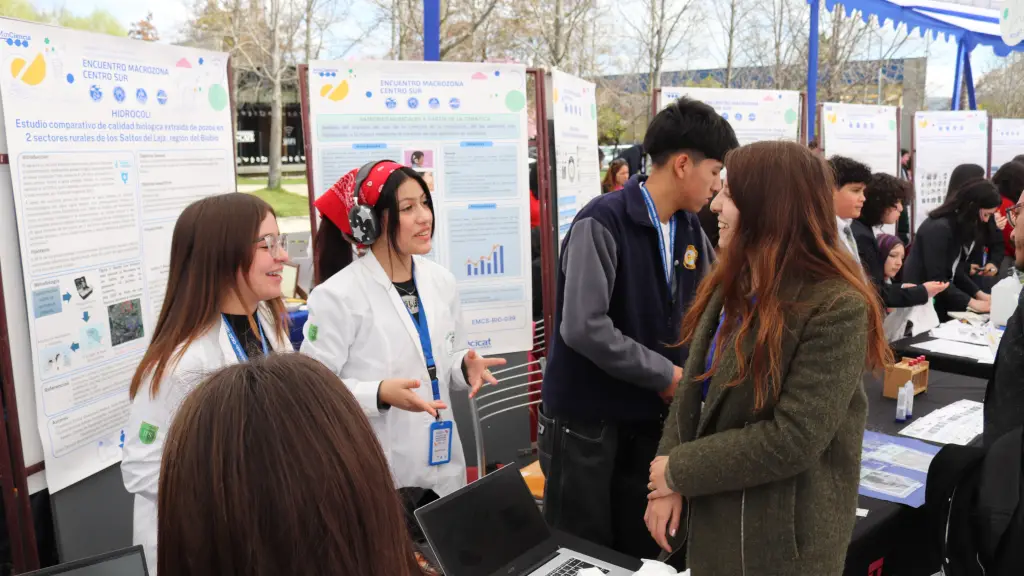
{"points": [[615, 319]]}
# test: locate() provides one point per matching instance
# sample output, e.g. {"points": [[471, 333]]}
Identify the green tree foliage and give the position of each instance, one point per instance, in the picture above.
{"points": [[99, 21]]}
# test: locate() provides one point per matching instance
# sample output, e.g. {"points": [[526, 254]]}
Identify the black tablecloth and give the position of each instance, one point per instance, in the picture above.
{"points": [[887, 538], [942, 362]]}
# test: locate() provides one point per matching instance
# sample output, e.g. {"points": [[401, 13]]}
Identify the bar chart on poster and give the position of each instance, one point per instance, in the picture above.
{"points": [[943, 141], [109, 139], [463, 128], [754, 115]]}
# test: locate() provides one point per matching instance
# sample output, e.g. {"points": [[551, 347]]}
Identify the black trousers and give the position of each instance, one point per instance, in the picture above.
{"points": [[596, 480]]}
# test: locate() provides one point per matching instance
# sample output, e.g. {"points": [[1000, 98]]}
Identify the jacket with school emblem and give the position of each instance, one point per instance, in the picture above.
{"points": [[616, 315]]}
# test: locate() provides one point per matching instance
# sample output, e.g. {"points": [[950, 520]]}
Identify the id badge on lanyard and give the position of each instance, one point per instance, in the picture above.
{"points": [[439, 450], [240, 352]]}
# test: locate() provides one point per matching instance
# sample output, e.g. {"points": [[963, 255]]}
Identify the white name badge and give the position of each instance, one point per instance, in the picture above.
{"points": [[440, 451]]}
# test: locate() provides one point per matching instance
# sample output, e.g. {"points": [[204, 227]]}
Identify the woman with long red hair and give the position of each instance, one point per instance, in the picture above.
{"points": [[763, 440]]}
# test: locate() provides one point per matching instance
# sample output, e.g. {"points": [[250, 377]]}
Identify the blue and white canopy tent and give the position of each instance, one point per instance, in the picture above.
{"points": [[971, 23]]}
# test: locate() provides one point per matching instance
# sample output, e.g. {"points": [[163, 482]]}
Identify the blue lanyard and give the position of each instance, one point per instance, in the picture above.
{"points": [[653, 213], [710, 360], [420, 321], [239, 350]]}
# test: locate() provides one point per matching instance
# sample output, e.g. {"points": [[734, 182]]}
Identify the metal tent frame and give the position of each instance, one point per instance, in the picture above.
{"points": [[971, 23]]}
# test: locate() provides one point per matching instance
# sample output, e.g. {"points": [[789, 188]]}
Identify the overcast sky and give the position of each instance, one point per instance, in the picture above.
{"points": [[170, 15]]}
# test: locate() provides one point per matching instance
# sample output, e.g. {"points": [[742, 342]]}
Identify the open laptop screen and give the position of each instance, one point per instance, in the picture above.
{"points": [[127, 562], [485, 525]]}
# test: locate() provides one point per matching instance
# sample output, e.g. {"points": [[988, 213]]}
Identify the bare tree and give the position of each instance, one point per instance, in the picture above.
{"points": [[999, 92], [730, 16], [659, 33]]}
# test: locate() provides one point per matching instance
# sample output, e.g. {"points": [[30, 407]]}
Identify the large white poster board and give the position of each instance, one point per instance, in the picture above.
{"points": [[465, 124], [577, 169], [755, 115], [1007, 141], [943, 141], [109, 139], [864, 133]]}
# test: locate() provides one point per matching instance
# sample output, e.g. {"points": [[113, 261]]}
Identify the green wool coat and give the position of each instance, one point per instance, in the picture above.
{"points": [[774, 492]]}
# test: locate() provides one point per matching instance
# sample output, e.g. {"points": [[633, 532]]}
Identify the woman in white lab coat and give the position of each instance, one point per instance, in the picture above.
{"points": [[388, 324], [223, 304]]}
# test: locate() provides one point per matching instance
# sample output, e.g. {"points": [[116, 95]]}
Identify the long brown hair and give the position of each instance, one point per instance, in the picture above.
{"points": [[270, 467], [786, 234], [609, 183], [214, 238]]}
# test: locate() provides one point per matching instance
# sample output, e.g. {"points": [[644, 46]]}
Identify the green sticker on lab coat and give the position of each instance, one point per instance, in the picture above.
{"points": [[147, 433], [312, 333]]}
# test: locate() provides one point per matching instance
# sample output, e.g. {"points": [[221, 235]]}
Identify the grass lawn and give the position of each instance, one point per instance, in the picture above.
{"points": [[262, 180], [285, 203]]}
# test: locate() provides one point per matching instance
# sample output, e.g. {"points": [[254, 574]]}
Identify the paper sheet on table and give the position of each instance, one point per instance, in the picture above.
{"points": [[970, 316], [923, 318], [957, 331], [889, 484], [982, 354], [902, 456], [958, 423], [895, 468]]}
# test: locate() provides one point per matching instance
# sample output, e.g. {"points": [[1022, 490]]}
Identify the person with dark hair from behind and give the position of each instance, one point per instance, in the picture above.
{"points": [[1019, 158], [906, 173], [992, 244], [1004, 395], [271, 468], [628, 269], [944, 240], [850, 180], [1010, 181], [884, 199]]}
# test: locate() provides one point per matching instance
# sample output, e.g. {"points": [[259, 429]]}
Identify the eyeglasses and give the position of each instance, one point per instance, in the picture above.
{"points": [[1011, 214], [272, 243]]}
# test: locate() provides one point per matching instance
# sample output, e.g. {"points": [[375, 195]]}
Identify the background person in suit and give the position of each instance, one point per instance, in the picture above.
{"points": [[944, 240], [1010, 181], [764, 438]]}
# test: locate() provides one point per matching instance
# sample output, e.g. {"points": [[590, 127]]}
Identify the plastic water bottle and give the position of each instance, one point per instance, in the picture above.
{"points": [[909, 387], [1004, 300]]}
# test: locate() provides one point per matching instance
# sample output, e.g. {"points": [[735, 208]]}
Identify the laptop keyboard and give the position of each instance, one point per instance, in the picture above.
{"points": [[572, 567]]}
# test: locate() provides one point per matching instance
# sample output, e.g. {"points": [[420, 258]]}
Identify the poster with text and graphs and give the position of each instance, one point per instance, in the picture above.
{"points": [[943, 141], [868, 134], [754, 115], [108, 139], [577, 169], [464, 128], [1007, 141]]}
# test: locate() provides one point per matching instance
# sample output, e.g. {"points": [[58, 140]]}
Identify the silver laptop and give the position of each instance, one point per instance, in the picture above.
{"points": [[127, 562], [493, 527]]}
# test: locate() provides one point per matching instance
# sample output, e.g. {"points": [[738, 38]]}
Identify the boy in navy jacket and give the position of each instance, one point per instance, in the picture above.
{"points": [[628, 270]]}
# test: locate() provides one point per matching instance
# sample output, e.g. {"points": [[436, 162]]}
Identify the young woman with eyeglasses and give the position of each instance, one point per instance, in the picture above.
{"points": [[223, 306]]}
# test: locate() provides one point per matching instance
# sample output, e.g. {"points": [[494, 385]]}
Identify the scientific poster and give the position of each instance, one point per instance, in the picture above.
{"points": [[943, 141], [864, 133], [109, 139], [755, 115], [577, 169], [1007, 141], [463, 127]]}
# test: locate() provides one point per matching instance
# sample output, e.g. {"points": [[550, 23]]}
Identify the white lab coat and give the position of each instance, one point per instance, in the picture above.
{"points": [[359, 328], [140, 465]]}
